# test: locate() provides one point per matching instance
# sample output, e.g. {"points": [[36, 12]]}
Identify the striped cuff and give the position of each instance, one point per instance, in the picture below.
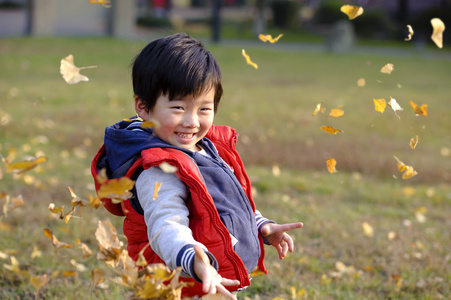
{"points": [[260, 220], [185, 259]]}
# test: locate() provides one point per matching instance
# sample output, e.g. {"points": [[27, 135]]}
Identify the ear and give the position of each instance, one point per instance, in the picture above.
{"points": [[141, 108]]}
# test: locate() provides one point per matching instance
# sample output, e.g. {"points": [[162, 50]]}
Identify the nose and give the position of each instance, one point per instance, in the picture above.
{"points": [[190, 120]]}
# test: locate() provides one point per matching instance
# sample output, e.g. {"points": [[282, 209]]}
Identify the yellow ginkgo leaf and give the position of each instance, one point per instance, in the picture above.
{"points": [[352, 11], [70, 72], [150, 124], [248, 59], [96, 277], [104, 3], [116, 189], [419, 111], [330, 129], [268, 37], [387, 69], [23, 166], [367, 229], [331, 163], [409, 173], [156, 189], [48, 233], [414, 142], [318, 108], [437, 34], [379, 105], [75, 199], [336, 112], [409, 37]]}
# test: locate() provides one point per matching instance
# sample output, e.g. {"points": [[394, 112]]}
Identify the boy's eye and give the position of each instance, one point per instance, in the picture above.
{"points": [[177, 107]]}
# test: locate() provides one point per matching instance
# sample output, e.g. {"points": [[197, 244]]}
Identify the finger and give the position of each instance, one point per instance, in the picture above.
{"points": [[229, 282], [284, 249], [222, 290], [291, 226], [289, 241]]}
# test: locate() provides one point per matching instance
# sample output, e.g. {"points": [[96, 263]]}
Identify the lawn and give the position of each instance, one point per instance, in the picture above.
{"points": [[368, 234]]}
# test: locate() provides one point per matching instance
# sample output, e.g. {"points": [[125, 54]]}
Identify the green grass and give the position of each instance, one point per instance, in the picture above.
{"points": [[272, 109]]}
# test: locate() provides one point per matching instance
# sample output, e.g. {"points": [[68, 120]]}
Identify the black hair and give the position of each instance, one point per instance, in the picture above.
{"points": [[177, 66]]}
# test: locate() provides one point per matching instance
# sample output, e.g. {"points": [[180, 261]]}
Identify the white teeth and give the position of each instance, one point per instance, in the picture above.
{"points": [[185, 135]]}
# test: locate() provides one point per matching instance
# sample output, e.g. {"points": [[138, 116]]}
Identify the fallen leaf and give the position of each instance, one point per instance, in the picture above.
{"points": [[409, 37], [96, 277], [409, 173], [116, 189], [437, 34], [419, 111], [248, 59], [331, 163], [110, 247], [58, 245], [414, 142], [330, 129], [75, 199], [367, 229], [379, 105], [167, 168], [104, 3], [395, 106], [318, 108], [387, 69], [38, 282], [352, 11], [336, 112], [150, 124], [268, 37], [95, 202], [70, 72], [23, 166], [156, 189]]}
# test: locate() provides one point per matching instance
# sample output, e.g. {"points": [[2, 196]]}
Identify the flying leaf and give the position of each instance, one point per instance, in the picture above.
{"points": [[437, 34], [104, 3], [36, 252], [268, 37], [75, 199], [336, 112], [95, 202], [409, 37], [141, 262], [70, 72], [367, 229], [352, 11], [116, 189], [96, 277], [23, 166], [409, 173], [84, 248], [361, 82], [156, 189], [387, 69], [414, 142], [408, 170], [48, 233], [330, 129], [248, 59], [379, 105], [319, 108], [394, 105], [331, 163], [167, 168], [54, 209], [419, 111], [110, 247], [150, 124]]}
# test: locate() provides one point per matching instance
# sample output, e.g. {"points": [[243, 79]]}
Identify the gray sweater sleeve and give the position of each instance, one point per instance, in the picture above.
{"points": [[167, 220]]}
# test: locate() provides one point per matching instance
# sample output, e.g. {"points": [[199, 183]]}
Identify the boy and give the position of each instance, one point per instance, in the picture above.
{"points": [[203, 218]]}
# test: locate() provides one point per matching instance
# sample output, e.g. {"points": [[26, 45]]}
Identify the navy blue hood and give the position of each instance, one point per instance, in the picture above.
{"points": [[124, 142]]}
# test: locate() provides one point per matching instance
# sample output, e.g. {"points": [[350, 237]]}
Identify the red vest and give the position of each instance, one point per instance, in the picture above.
{"points": [[205, 222]]}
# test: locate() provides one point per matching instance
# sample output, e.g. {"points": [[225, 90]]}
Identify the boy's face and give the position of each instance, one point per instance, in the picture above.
{"points": [[182, 122]]}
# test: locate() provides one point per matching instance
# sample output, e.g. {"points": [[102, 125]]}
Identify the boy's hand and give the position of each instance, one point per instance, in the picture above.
{"points": [[276, 235], [212, 282]]}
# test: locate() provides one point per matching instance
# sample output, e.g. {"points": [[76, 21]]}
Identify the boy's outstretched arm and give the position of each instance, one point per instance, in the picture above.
{"points": [[276, 235], [212, 282]]}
